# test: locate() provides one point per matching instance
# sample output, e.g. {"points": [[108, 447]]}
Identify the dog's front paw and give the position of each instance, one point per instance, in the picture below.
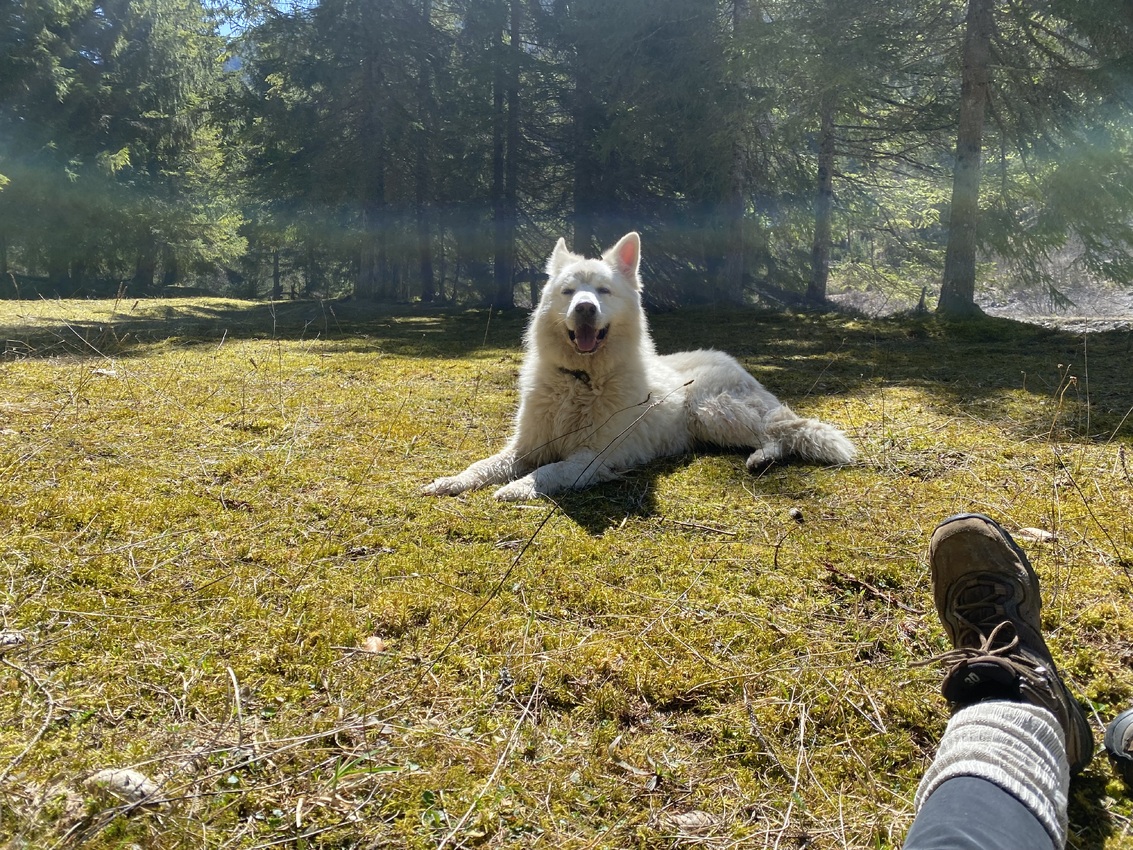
{"points": [[517, 491], [449, 486]]}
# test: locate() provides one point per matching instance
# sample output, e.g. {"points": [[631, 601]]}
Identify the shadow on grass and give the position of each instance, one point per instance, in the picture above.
{"points": [[97, 329], [604, 506], [958, 365], [1091, 822], [965, 365]]}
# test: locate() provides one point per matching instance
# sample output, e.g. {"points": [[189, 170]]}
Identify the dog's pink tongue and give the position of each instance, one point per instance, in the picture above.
{"points": [[586, 337]]}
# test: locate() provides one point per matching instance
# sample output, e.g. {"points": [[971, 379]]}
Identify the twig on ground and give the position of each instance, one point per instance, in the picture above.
{"points": [[43, 727], [496, 770], [237, 706], [700, 526], [883, 595]]}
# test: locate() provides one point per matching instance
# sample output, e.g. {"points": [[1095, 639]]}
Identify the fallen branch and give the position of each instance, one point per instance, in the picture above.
{"points": [[883, 595]]}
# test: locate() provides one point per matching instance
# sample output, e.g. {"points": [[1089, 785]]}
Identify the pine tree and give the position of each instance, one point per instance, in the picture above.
{"points": [[109, 145]]}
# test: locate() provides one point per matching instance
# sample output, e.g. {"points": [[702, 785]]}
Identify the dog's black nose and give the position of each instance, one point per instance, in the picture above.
{"points": [[586, 310]]}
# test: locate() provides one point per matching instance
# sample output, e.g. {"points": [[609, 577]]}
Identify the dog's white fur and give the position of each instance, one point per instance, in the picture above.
{"points": [[596, 398]]}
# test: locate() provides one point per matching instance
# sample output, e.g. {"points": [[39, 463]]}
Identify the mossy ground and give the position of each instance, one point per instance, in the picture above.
{"points": [[212, 540]]}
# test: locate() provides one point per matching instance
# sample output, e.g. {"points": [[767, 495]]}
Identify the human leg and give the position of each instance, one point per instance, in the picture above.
{"points": [[1016, 725], [1000, 779], [969, 813]]}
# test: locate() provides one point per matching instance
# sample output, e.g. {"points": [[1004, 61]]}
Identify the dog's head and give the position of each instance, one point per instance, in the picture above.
{"points": [[586, 303]]}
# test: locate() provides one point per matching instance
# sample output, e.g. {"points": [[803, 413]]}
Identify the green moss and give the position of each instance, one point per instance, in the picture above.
{"points": [[212, 535]]}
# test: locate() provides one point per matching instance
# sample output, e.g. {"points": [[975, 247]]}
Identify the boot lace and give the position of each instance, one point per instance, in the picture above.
{"points": [[991, 605], [1033, 672]]}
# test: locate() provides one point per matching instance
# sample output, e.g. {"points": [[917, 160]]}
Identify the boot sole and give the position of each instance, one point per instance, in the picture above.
{"points": [[1115, 734]]}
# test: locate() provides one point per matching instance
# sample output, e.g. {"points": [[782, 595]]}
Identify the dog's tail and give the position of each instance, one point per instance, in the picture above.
{"points": [[809, 439]]}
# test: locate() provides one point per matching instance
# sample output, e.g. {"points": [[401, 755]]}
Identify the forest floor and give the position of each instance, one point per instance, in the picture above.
{"points": [[217, 571], [1089, 308], [1092, 310]]}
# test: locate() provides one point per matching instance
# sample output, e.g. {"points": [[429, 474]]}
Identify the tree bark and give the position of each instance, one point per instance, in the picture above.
{"points": [[958, 290], [421, 167], [371, 281], [586, 168], [312, 274], [512, 140], [823, 204], [170, 272], [145, 269], [59, 268], [735, 204], [276, 278], [502, 260]]}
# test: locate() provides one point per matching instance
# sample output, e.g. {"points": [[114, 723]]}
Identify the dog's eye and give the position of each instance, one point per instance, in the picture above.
{"points": [[568, 290], [603, 290]]}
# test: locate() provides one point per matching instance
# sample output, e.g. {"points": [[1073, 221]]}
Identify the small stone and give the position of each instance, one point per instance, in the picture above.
{"points": [[375, 645], [126, 784], [10, 640], [692, 823]]}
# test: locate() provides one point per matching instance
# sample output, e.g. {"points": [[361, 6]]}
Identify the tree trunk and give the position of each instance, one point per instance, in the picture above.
{"points": [[425, 253], [958, 291], [512, 139], [170, 272], [312, 275], [145, 269], [585, 166], [505, 156], [499, 226], [500, 266], [823, 204], [276, 279], [735, 205], [371, 258], [421, 168], [59, 271], [367, 282], [731, 287]]}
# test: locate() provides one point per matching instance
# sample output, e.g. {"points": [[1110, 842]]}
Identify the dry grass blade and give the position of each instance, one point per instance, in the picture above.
{"points": [[223, 577]]}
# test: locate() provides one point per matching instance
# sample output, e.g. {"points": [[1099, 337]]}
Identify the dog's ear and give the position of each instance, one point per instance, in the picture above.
{"points": [[625, 257], [559, 258]]}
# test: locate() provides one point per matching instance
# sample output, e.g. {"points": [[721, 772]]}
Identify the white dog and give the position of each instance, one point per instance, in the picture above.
{"points": [[596, 398]]}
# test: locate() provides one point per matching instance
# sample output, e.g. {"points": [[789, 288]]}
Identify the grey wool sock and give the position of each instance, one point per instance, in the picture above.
{"points": [[1017, 746]]}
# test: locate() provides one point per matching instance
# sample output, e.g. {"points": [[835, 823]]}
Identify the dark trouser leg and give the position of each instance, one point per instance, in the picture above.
{"points": [[969, 813]]}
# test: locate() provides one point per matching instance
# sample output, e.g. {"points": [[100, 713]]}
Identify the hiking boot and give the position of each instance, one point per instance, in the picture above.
{"points": [[1119, 745], [987, 596]]}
